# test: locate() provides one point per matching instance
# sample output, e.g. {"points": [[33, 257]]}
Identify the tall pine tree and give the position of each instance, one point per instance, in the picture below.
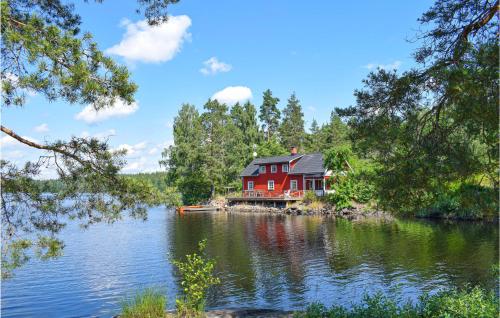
{"points": [[215, 121], [245, 119], [336, 133], [269, 114], [313, 138], [292, 127]]}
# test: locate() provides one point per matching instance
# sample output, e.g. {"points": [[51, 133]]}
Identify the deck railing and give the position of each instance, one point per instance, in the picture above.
{"points": [[272, 194]]}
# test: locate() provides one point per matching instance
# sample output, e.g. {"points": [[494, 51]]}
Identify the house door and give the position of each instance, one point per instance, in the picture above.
{"points": [[309, 184]]}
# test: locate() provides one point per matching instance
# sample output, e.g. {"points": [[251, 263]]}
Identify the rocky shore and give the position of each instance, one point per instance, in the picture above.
{"points": [[357, 212], [353, 213], [239, 313]]}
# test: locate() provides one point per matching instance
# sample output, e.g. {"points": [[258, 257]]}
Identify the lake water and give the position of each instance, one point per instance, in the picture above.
{"points": [[280, 262]]}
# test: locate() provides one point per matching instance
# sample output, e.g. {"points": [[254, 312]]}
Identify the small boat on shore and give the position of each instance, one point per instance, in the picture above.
{"points": [[197, 208]]}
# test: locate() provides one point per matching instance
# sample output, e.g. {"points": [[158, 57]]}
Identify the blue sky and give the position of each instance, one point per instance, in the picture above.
{"points": [[321, 50]]}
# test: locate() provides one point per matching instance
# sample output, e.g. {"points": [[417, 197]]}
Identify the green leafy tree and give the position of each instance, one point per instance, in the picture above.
{"points": [[269, 114], [335, 133], [186, 159], [292, 131], [243, 136], [245, 119], [43, 52], [215, 121], [271, 148], [436, 126]]}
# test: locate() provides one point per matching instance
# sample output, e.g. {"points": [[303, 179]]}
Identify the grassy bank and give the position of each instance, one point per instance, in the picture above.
{"points": [[472, 303], [467, 304], [146, 304]]}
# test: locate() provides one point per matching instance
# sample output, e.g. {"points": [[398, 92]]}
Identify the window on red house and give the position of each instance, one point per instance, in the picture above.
{"points": [[270, 185]]}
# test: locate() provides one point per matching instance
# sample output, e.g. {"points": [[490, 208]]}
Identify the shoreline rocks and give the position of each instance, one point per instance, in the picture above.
{"points": [[355, 213]]}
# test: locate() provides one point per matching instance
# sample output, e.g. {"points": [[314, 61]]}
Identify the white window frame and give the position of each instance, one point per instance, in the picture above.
{"points": [[296, 185], [284, 167], [262, 169], [274, 168], [269, 183], [250, 188]]}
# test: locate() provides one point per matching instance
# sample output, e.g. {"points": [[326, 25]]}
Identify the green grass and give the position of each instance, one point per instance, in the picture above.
{"points": [[460, 304], [146, 304]]}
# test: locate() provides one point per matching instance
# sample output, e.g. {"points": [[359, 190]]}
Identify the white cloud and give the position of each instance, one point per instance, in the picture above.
{"points": [[8, 141], [133, 166], [233, 94], [141, 145], [391, 66], [99, 135], [14, 154], [311, 108], [41, 128], [105, 134], [119, 109], [143, 159], [132, 149], [214, 66], [152, 44], [142, 164]]}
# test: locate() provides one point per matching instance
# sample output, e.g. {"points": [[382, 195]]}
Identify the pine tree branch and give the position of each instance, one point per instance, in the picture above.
{"points": [[474, 27], [45, 147]]}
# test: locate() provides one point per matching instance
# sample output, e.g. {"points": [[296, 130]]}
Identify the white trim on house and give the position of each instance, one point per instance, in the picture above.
{"points": [[250, 188], [274, 168], [262, 169], [270, 185], [292, 183]]}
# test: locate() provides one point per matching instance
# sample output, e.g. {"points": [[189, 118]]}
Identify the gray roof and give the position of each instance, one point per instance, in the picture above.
{"points": [[276, 159], [307, 164], [251, 170]]}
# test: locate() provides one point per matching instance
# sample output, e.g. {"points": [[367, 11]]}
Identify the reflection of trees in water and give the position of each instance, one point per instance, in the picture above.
{"points": [[460, 253], [278, 259], [257, 255]]}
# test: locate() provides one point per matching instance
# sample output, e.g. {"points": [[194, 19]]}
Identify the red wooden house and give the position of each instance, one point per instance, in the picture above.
{"points": [[285, 176]]}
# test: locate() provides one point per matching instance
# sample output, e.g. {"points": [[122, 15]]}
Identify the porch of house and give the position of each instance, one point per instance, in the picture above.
{"points": [[314, 184]]}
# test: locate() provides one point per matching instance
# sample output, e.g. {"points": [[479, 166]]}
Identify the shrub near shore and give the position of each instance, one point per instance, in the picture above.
{"points": [[475, 303]]}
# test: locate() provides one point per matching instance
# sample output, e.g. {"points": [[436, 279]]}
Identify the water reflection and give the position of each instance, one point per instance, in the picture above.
{"points": [[285, 261], [262, 260]]}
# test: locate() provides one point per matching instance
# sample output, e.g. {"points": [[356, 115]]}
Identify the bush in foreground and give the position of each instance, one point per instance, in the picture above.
{"points": [[146, 304], [197, 277], [460, 304]]}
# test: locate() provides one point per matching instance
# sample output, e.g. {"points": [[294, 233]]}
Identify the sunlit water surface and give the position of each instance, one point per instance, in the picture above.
{"points": [[280, 262]]}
